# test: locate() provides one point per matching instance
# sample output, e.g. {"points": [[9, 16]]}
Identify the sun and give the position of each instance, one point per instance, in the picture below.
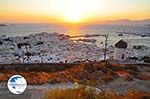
{"points": [[73, 11], [73, 16]]}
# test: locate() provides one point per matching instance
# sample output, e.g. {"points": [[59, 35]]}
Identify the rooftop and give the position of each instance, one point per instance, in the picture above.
{"points": [[121, 44]]}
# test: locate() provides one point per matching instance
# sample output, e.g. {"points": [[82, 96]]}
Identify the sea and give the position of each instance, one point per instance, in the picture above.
{"points": [[132, 34]]}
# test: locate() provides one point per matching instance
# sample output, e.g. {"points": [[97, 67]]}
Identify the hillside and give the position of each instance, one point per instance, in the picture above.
{"points": [[113, 80]]}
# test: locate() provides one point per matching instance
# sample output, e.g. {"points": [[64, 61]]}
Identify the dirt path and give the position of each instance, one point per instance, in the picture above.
{"points": [[32, 91], [28, 94], [38, 91], [121, 86]]}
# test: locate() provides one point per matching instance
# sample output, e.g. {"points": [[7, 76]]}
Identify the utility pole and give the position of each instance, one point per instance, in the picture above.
{"points": [[105, 50], [23, 56]]}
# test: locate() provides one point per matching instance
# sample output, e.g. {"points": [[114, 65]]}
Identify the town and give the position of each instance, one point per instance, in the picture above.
{"points": [[59, 48]]}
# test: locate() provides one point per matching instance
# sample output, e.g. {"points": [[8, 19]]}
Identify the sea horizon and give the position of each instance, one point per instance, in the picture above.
{"points": [[132, 33]]}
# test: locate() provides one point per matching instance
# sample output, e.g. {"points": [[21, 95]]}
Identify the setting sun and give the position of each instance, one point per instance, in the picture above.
{"points": [[72, 11]]}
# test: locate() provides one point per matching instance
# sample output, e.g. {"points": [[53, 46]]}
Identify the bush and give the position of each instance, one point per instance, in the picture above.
{"points": [[137, 95], [78, 93], [90, 93]]}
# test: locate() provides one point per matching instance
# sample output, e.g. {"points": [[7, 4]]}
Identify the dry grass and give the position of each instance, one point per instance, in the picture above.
{"points": [[79, 93], [137, 95], [88, 74], [143, 76], [31, 77], [83, 93]]}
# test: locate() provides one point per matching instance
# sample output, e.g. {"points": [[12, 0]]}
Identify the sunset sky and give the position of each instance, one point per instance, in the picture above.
{"points": [[72, 11]]}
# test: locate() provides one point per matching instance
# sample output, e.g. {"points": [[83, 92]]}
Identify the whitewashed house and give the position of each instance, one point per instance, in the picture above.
{"points": [[120, 50], [140, 51]]}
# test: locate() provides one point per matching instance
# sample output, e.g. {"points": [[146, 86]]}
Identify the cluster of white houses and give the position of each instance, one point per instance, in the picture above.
{"points": [[56, 48], [46, 48]]}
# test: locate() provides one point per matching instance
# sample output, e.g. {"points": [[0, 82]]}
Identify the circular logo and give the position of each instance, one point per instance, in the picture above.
{"points": [[17, 84]]}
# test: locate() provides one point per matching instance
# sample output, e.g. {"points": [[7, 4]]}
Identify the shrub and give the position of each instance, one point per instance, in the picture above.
{"points": [[137, 95], [90, 93], [78, 93]]}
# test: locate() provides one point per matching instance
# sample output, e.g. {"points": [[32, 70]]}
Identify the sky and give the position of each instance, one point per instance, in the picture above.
{"points": [[72, 11]]}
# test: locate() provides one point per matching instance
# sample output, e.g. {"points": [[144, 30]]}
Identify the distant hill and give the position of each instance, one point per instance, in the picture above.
{"points": [[131, 22], [3, 25], [148, 25]]}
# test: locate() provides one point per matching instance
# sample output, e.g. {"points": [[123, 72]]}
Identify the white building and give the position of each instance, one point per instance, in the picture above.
{"points": [[47, 48], [120, 50], [140, 51]]}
